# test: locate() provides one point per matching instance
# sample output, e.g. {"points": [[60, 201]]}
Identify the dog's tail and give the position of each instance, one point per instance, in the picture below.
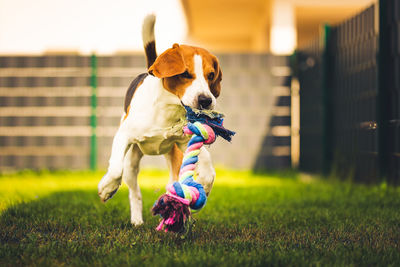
{"points": [[149, 41]]}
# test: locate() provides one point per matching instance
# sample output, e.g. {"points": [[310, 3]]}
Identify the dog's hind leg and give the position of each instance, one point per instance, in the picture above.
{"points": [[130, 173], [111, 181]]}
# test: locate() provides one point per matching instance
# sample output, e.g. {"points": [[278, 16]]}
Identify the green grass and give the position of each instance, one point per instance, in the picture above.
{"points": [[57, 219]]}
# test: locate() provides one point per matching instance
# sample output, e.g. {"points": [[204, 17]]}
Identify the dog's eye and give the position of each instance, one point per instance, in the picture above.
{"points": [[211, 76], [186, 75]]}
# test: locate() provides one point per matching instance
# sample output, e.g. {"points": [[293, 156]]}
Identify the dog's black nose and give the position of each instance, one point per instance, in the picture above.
{"points": [[204, 101]]}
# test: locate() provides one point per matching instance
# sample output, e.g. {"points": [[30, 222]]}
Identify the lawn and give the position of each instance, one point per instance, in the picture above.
{"points": [[52, 219]]}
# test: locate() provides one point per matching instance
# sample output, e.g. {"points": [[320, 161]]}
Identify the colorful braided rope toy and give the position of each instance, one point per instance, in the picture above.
{"points": [[181, 197]]}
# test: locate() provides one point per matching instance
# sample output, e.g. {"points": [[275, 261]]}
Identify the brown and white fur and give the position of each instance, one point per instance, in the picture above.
{"points": [[154, 116]]}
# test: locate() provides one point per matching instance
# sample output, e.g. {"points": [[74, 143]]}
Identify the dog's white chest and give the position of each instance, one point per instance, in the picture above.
{"points": [[156, 118]]}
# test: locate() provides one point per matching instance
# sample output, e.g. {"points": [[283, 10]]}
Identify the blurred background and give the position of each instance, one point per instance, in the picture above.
{"points": [[306, 84]]}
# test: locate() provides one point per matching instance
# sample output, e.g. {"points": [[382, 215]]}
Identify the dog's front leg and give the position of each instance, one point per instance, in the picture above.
{"points": [[205, 170], [130, 173], [111, 181]]}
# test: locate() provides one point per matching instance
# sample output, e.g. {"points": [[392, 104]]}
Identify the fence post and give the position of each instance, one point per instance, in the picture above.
{"points": [[383, 87], [93, 115], [295, 112], [327, 100]]}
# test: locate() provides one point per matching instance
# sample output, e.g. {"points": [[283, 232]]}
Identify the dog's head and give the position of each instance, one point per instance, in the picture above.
{"points": [[191, 73]]}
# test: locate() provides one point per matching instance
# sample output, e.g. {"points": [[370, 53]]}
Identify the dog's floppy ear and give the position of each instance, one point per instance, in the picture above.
{"points": [[215, 86], [169, 63]]}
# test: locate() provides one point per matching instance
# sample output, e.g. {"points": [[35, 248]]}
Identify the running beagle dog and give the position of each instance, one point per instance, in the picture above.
{"points": [[154, 116]]}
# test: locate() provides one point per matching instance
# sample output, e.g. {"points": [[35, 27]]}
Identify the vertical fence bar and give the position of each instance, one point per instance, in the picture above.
{"points": [[327, 101], [93, 115]]}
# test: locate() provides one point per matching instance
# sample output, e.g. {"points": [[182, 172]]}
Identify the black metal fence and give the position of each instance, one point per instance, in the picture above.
{"points": [[353, 95], [389, 89], [349, 91]]}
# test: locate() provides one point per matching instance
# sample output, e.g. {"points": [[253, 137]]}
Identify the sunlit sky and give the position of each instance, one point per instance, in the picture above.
{"points": [[36, 26]]}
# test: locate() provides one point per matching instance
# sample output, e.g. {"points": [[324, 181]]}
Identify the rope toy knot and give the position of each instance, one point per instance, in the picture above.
{"points": [[187, 194], [201, 130]]}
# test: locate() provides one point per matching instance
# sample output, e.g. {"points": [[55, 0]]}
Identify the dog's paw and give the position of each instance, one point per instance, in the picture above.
{"points": [[207, 187], [136, 221], [108, 187]]}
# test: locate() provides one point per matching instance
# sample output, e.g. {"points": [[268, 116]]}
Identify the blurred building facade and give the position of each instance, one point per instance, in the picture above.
{"points": [[246, 25]]}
